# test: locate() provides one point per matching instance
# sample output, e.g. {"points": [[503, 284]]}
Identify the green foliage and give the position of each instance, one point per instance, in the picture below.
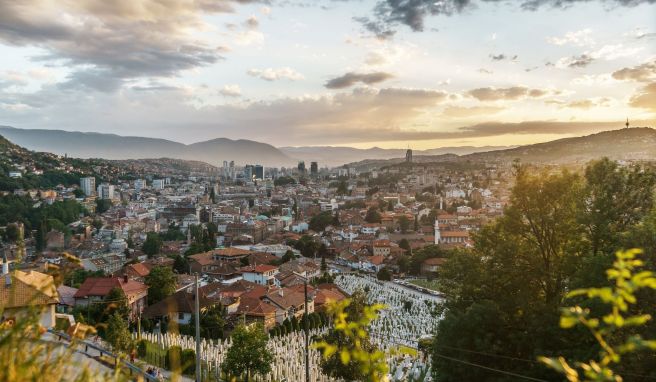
{"points": [[384, 275], [76, 278], [181, 361], [373, 216], [173, 233], [349, 343], [103, 205], [307, 246], [117, 333], [152, 245], [181, 264], [248, 353], [558, 233], [161, 283], [619, 298], [404, 224], [284, 181], [319, 222]]}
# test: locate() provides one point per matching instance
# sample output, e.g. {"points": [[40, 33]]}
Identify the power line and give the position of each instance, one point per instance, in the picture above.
{"points": [[490, 368]]}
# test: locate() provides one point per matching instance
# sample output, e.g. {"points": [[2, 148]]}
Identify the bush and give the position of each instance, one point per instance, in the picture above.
{"points": [[188, 362], [142, 347]]}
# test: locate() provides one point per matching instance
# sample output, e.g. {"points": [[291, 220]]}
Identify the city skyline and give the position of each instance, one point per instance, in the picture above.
{"points": [[429, 74]]}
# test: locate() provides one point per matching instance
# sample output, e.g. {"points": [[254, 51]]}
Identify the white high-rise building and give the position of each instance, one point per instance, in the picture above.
{"points": [[106, 191], [158, 184], [139, 184], [88, 185]]}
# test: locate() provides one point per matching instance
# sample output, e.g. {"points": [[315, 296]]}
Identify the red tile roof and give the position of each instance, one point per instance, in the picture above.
{"points": [[101, 286]]}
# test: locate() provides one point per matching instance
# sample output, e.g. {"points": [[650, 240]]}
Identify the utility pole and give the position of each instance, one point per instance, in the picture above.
{"points": [[197, 310], [307, 336]]}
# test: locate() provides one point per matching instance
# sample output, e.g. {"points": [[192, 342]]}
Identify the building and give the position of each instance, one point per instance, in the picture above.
{"points": [[258, 172], [158, 184], [301, 167], [408, 156], [430, 267], [261, 274], [88, 185], [314, 168], [21, 292], [382, 248], [95, 289], [105, 191], [139, 184]]}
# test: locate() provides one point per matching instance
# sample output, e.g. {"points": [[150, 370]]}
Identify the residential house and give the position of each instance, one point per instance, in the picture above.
{"points": [[94, 290]]}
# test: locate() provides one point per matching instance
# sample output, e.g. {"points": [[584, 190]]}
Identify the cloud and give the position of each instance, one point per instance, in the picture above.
{"points": [[116, 40], [465, 112], [642, 73], [275, 74], [231, 91], [351, 78], [645, 98], [252, 22], [501, 57], [387, 15], [511, 93], [583, 104], [580, 61], [578, 38]]}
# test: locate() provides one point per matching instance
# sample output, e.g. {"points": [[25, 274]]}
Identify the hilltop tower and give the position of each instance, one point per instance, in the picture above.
{"points": [[627, 123], [408, 156]]}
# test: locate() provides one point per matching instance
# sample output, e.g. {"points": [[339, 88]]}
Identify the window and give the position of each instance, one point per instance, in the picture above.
{"points": [[181, 316]]}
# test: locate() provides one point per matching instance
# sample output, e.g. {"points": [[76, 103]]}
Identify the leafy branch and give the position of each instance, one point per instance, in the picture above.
{"points": [[619, 298]]}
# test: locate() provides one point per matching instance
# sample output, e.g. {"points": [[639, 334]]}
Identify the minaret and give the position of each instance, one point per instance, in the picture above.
{"points": [[5, 264], [627, 123], [438, 238]]}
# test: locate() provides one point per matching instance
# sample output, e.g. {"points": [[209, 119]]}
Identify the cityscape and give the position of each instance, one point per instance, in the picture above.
{"points": [[189, 192]]}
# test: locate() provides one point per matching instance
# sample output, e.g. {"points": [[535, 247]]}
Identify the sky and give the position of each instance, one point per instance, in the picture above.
{"points": [[361, 73]]}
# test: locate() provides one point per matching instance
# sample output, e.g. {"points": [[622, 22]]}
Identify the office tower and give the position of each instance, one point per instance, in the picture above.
{"points": [[301, 167], [139, 184], [105, 191], [258, 171], [314, 168], [88, 185], [158, 184]]}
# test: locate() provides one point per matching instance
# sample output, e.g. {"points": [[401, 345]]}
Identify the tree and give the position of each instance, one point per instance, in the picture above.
{"points": [[153, 244], [117, 333], [117, 303], [346, 350], [342, 188], [404, 224], [11, 233], [319, 222], [161, 283], [103, 205], [404, 244], [533, 250], [307, 246], [384, 275], [181, 264], [249, 353], [619, 297], [373, 216]]}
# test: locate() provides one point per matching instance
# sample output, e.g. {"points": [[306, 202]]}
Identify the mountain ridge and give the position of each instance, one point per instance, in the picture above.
{"points": [[117, 147]]}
